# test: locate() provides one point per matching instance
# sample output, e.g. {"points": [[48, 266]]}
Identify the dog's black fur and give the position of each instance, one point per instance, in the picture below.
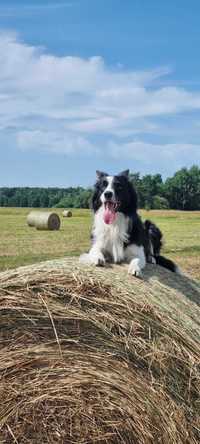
{"points": [[154, 245], [145, 234]]}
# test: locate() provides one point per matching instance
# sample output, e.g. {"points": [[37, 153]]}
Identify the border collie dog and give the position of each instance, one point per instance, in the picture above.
{"points": [[118, 234]]}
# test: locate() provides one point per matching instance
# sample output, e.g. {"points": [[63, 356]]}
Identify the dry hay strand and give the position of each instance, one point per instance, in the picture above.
{"points": [[67, 213], [43, 220], [90, 355]]}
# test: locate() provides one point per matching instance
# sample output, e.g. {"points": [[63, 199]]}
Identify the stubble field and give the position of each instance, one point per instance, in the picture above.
{"points": [[22, 245]]}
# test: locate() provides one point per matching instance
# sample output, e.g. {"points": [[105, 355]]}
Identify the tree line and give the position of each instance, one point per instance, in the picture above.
{"points": [[180, 192]]}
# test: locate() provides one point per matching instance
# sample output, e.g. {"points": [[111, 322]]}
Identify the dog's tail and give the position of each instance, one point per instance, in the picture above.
{"points": [[167, 263], [153, 246]]}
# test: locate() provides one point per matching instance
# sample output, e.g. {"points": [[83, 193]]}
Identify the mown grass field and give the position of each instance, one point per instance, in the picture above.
{"points": [[22, 245]]}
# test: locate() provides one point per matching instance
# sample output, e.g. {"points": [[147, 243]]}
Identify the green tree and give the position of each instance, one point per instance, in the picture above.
{"points": [[137, 183], [44, 199], [151, 186], [160, 203], [183, 189]]}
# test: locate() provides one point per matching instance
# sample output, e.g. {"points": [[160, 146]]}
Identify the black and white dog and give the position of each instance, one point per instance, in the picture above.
{"points": [[118, 233]]}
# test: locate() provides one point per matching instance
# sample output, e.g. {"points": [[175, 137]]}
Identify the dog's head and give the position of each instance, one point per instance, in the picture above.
{"points": [[115, 194]]}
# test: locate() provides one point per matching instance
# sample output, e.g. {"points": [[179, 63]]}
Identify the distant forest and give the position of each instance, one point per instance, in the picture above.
{"points": [[180, 192]]}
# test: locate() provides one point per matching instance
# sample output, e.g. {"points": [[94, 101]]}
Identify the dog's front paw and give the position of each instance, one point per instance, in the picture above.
{"points": [[93, 259], [135, 269], [97, 259]]}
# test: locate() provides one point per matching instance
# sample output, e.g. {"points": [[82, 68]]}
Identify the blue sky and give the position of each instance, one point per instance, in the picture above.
{"points": [[93, 84]]}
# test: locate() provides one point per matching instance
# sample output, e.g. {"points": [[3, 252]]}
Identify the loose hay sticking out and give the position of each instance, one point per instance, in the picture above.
{"points": [[43, 220], [95, 356]]}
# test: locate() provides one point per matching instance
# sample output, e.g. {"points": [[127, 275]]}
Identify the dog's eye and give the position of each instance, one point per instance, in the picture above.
{"points": [[118, 186], [105, 183]]}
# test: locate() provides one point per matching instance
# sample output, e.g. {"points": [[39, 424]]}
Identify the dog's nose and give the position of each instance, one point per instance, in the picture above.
{"points": [[108, 194]]}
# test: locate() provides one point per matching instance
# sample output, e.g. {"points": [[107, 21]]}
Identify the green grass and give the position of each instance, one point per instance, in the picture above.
{"points": [[22, 245]]}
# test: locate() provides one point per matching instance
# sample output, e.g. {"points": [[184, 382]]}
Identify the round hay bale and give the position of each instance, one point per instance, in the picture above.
{"points": [[94, 355], [44, 220], [67, 213], [31, 218]]}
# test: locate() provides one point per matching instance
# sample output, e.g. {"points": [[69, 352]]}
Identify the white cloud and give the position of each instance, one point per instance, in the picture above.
{"points": [[53, 142], [149, 153], [65, 104]]}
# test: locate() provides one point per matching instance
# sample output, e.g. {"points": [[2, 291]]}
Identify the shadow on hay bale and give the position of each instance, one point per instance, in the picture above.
{"points": [[96, 356]]}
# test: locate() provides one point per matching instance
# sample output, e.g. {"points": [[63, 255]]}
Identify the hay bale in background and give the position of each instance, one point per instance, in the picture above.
{"points": [[31, 218], [48, 221], [67, 213], [43, 220], [94, 355]]}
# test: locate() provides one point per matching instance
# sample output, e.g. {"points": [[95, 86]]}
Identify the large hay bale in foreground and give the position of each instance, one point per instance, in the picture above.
{"points": [[90, 355], [43, 220]]}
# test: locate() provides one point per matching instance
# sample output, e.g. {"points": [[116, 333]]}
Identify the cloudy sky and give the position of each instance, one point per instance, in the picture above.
{"points": [[94, 84]]}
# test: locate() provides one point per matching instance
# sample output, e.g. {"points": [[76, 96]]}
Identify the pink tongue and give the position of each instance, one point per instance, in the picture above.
{"points": [[109, 216]]}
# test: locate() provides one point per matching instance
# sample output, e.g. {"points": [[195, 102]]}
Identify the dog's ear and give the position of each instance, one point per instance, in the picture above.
{"points": [[124, 173], [100, 174]]}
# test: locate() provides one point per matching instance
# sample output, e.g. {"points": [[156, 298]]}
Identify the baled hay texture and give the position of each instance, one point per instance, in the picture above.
{"points": [[67, 213], [43, 220], [90, 355]]}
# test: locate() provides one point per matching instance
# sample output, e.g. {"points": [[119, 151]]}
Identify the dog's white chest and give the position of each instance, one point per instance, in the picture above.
{"points": [[111, 237]]}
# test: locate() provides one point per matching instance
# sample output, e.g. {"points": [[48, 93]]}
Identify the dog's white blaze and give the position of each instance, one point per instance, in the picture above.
{"points": [[109, 187], [110, 184]]}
